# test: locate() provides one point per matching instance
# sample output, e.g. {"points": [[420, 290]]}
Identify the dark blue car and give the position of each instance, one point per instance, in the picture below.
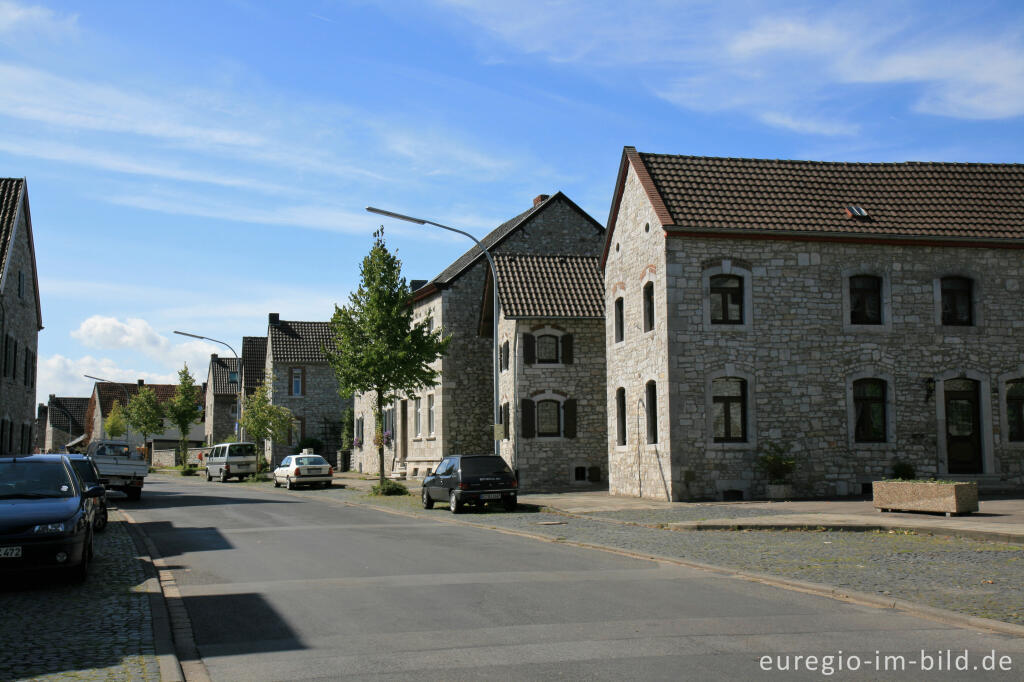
{"points": [[46, 521]]}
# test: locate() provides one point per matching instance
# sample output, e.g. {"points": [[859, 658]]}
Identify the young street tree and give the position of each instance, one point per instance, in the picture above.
{"points": [[263, 421], [376, 345], [115, 424], [144, 413], [183, 410]]}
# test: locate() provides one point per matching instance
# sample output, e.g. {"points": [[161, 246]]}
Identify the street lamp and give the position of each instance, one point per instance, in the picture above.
{"points": [[497, 304], [236, 374], [127, 429]]}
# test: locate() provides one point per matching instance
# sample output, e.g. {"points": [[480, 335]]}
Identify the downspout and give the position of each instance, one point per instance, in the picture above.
{"points": [[515, 398]]}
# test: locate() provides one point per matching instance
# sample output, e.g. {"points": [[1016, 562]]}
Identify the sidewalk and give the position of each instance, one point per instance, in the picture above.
{"points": [[998, 520]]}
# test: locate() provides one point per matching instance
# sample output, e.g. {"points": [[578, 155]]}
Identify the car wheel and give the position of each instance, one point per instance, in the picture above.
{"points": [[277, 483], [223, 477], [100, 523], [291, 484], [133, 494], [428, 502], [453, 503], [208, 476], [80, 572], [511, 503]]}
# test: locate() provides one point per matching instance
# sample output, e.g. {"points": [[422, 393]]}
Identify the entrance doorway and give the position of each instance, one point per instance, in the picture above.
{"points": [[963, 426]]}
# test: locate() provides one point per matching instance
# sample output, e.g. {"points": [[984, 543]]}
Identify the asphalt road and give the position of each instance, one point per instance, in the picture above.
{"points": [[284, 586]]}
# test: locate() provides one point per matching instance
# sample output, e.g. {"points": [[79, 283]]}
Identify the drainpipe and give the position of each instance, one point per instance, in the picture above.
{"points": [[515, 398]]}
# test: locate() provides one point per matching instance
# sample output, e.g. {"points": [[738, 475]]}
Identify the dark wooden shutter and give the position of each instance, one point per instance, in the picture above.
{"points": [[529, 349], [504, 356], [569, 407], [567, 349], [504, 421], [528, 417], [303, 370]]}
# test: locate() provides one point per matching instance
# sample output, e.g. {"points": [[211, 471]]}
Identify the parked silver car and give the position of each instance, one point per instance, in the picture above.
{"points": [[296, 470]]}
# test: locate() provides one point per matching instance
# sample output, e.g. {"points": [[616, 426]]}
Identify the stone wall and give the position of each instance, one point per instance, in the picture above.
{"points": [[19, 319], [548, 463], [321, 407], [636, 256], [219, 424], [799, 355]]}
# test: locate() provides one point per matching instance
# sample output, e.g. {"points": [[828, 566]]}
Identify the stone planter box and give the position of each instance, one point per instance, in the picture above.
{"points": [[947, 498]]}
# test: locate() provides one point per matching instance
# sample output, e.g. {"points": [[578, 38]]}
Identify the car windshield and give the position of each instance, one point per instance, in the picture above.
{"points": [[112, 451], [28, 479], [315, 460], [85, 470], [245, 450], [482, 466]]}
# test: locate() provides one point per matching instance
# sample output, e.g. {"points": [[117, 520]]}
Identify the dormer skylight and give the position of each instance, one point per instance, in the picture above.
{"points": [[856, 212]]}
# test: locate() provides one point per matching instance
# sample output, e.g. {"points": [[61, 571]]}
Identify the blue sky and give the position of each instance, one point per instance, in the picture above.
{"points": [[196, 165]]}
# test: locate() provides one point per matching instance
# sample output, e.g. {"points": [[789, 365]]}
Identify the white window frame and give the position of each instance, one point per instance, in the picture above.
{"points": [[730, 371], [430, 414], [296, 373], [537, 399], [417, 418], [977, 313], [871, 372], [867, 269]]}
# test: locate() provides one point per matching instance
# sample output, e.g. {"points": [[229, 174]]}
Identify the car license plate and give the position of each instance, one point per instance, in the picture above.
{"points": [[10, 552], [491, 496]]}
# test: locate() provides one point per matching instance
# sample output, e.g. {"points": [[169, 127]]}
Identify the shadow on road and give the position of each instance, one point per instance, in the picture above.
{"points": [[154, 498], [239, 624], [173, 541]]}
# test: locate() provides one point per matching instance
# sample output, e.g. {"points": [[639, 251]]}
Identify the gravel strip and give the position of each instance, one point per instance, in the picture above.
{"points": [[694, 512], [99, 630]]}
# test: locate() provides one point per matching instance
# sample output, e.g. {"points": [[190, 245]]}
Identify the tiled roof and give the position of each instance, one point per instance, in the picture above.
{"points": [[10, 192], [67, 414], [254, 362], [495, 236], [299, 341], [122, 392], [222, 368], [913, 199], [550, 286]]}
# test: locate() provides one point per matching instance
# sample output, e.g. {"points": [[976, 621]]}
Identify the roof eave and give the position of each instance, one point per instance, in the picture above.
{"points": [[831, 236]]}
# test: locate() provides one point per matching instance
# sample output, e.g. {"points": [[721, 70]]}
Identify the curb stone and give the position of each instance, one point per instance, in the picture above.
{"points": [[172, 628]]}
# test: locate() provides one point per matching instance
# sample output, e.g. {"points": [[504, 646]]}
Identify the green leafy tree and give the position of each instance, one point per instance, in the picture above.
{"points": [[115, 424], [145, 414], [183, 409], [263, 420], [376, 345]]}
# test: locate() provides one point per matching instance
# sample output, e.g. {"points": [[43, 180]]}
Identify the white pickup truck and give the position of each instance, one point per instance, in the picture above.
{"points": [[121, 465]]}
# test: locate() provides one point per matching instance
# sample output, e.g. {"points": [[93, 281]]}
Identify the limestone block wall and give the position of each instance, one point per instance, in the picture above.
{"points": [[800, 354], [219, 423], [18, 396], [547, 463], [321, 407], [636, 257]]}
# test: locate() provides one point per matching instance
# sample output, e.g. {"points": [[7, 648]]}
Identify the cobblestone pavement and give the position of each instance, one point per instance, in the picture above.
{"points": [[984, 579], [99, 630], [695, 512]]}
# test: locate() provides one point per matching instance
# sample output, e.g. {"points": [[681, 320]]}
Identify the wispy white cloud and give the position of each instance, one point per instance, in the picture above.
{"points": [[65, 376], [109, 333], [17, 21], [784, 65]]}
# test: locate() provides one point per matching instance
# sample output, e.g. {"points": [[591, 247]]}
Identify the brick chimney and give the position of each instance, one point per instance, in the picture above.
{"points": [[52, 396], [213, 356], [274, 319], [142, 382], [540, 199]]}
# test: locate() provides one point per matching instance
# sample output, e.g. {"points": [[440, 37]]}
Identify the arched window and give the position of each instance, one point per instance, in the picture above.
{"points": [[649, 306], [651, 403], [870, 412], [620, 416], [729, 409], [547, 348], [957, 301], [726, 299], [865, 299]]}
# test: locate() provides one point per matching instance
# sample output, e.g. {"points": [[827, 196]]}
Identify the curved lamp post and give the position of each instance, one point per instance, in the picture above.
{"points": [[238, 374], [497, 304]]}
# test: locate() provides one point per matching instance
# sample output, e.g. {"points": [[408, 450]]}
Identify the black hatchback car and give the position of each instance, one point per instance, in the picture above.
{"points": [[471, 479], [45, 521], [86, 470]]}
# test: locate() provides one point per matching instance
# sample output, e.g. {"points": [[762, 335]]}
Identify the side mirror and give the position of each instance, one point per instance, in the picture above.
{"points": [[94, 491]]}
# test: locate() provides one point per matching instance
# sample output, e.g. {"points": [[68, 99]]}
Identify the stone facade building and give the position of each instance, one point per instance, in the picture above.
{"points": [[20, 319], [858, 314], [222, 381], [65, 421], [301, 379], [456, 415], [254, 367], [552, 369]]}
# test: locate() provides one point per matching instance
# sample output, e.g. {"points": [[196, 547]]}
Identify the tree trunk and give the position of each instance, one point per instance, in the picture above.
{"points": [[380, 440]]}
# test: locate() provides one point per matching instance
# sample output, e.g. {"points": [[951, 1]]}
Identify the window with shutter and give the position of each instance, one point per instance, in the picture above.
{"points": [[504, 421], [526, 417], [567, 349], [529, 349], [569, 413], [652, 412], [620, 416]]}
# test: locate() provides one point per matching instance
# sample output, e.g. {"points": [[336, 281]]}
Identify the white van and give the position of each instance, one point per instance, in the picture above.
{"points": [[231, 459]]}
